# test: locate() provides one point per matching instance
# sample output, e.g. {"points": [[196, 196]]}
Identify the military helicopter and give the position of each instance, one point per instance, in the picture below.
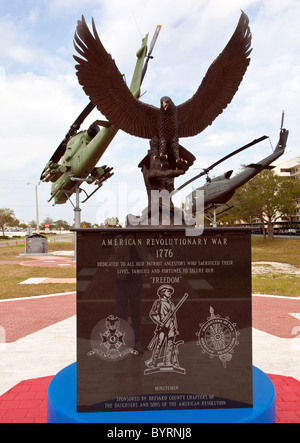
{"points": [[218, 190], [75, 159]]}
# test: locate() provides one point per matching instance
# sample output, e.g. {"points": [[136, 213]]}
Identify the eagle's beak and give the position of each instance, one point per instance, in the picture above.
{"points": [[165, 105]]}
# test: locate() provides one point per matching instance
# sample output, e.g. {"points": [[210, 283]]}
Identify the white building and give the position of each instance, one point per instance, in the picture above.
{"points": [[290, 168]]}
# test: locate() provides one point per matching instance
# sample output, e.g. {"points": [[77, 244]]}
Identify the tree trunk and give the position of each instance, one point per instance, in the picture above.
{"points": [[270, 230], [264, 230]]}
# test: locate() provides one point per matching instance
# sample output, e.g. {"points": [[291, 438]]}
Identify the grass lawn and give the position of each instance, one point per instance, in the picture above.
{"points": [[278, 250], [284, 285], [12, 274], [282, 250]]}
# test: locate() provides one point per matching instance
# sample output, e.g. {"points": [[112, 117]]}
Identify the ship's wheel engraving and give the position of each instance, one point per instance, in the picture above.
{"points": [[217, 337]]}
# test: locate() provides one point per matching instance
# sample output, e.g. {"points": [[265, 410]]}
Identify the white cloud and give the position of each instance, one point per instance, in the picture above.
{"points": [[35, 116], [20, 52], [66, 5]]}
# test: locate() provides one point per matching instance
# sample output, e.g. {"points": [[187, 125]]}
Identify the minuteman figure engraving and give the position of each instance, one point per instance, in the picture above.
{"points": [[164, 346]]}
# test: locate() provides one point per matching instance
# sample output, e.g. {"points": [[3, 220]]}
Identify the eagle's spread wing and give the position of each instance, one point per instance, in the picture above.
{"points": [[103, 83], [220, 84]]}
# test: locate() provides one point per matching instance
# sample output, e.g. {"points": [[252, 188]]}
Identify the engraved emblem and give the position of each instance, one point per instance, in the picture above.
{"points": [[112, 339], [217, 337]]}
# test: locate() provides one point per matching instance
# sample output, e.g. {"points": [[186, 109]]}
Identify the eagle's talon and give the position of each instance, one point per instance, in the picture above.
{"points": [[181, 160], [161, 155]]}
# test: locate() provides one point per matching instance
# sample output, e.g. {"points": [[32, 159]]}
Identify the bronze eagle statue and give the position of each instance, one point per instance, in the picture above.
{"points": [[105, 86]]}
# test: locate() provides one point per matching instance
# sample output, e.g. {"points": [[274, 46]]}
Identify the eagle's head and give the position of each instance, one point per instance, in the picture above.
{"points": [[166, 103]]}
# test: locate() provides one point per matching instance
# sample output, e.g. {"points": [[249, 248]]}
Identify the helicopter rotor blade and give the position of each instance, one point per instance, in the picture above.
{"points": [[149, 56], [74, 128], [206, 170], [80, 119], [282, 120], [153, 41]]}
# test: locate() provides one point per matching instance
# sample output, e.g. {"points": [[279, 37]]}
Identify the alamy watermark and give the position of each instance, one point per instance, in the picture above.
{"points": [[159, 210]]}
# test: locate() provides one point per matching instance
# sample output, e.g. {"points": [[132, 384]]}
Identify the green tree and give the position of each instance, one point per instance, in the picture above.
{"points": [[62, 224], [32, 224], [48, 221], [7, 219], [85, 224], [23, 225], [266, 197]]}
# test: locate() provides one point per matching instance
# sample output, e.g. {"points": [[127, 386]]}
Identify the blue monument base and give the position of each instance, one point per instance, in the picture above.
{"points": [[62, 406]]}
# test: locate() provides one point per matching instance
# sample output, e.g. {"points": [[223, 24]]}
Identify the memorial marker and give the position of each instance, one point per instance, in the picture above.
{"points": [[164, 320]]}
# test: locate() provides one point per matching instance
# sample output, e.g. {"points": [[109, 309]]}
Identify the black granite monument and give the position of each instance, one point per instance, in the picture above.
{"points": [[164, 320]]}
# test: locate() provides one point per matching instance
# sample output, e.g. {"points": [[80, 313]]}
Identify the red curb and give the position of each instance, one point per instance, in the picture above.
{"points": [[26, 402], [43, 262], [287, 391], [272, 315], [20, 318], [49, 262]]}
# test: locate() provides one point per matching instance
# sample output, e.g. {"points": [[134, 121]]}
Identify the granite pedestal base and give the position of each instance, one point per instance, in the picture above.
{"points": [[62, 406]]}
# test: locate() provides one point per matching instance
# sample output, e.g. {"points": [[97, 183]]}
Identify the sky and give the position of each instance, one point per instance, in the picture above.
{"points": [[40, 96]]}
